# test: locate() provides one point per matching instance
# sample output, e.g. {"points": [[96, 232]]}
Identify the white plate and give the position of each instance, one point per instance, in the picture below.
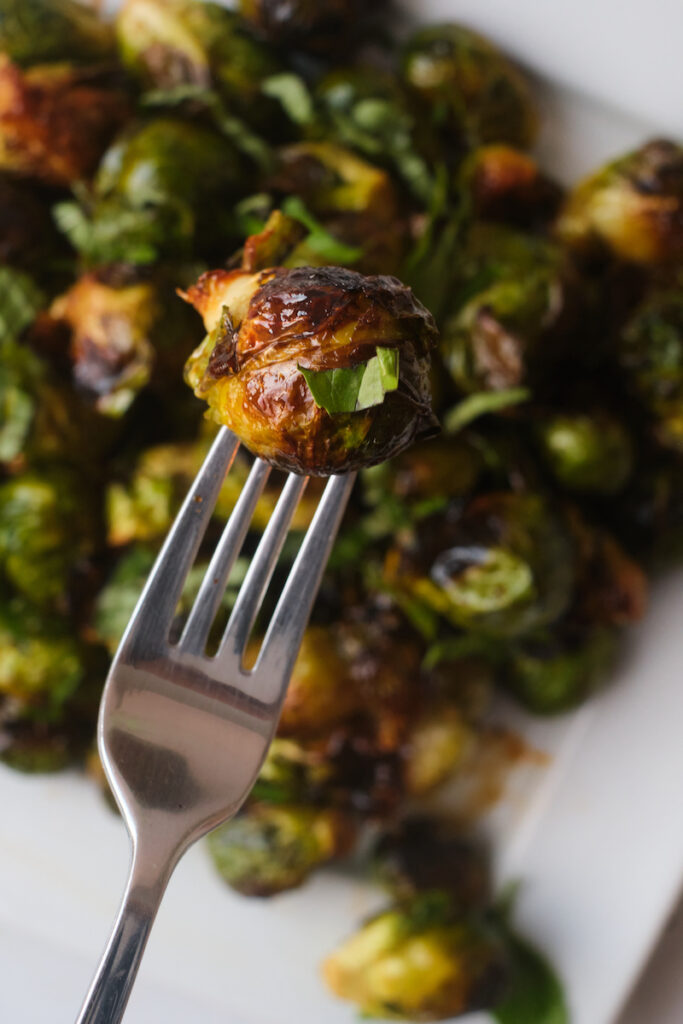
{"points": [[597, 837]]}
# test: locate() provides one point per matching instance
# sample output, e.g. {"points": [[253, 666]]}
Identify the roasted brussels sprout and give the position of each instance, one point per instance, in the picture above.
{"points": [[171, 43], [520, 299], [426, 854], [111, 327], [504, 566], [317, 370], [356, 202], [418, 961], [27, 234], [435, 748], [321, 26], [434, 471], [588, 452], [505, 184], [368, 109], [163, 189], [612, 589], [42, 31], [41, 663], [55, 121], [46, 529], [269, 849], [633, 207], [553, 672], [650, 354], [472, 89], [321, 693]]}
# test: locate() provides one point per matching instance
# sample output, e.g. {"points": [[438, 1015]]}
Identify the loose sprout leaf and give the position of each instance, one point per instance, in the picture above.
{"points": [[20, 302], [350, 389], [535, 993], [292, 93], [474, 406], [319, 239]]}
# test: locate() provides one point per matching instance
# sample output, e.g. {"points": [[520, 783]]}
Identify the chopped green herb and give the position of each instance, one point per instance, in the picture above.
{"points": [[350, 389], [20, 302], [319, 238], [292, 93], [474, 406], [535, 995]]}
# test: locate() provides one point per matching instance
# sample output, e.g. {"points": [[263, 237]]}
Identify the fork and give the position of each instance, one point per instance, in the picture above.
{"points": [[182, 735]]}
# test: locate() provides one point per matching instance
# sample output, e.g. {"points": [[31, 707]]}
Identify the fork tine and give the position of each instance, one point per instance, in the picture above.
{"points": [[283, 637], [260, 571], [158, 601], [196, 631]]}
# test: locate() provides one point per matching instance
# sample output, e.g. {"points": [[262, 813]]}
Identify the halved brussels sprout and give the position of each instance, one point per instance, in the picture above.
{"points": [[41, 662], [164, 189], [505, 184], [268, 849], [317, 370], [356, 202], [434, 471], [171, 43], [552, 672], [519, 293], [473, 90], [503, 566], [55, 121], [633, 207], [317, 25], [418, 961], [650, 354], [47, 528], [321, 693], [42, 31], [424, 854], [437, 745], [589, 452], [111, 350]]}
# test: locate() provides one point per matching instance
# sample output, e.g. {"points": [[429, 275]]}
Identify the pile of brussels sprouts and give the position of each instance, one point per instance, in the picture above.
{"points": [[508, 554]]}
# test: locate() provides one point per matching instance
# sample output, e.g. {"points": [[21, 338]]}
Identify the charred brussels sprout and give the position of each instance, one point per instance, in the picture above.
{"points": [[317, 370], [418, 961], [55, 121], [321, 693], [505, 184], [316, 25], [27, 234], [356, 202], [42, 31], [587, 452], [433, 471], [633, 207], [425, 854], [269, 849], [170, 43], [41, 664], [520, 296], [503, 566], [550, 673], [650, 353], [46, 530], [164, 189], [111, 328], [437, 745], [472, 89]]}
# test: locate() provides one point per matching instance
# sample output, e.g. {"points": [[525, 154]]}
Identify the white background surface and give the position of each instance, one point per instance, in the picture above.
{"points": [[598, 837]]}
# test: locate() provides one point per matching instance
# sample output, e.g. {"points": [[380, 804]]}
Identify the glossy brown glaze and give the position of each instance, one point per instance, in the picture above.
{"points": [[265, 326]]}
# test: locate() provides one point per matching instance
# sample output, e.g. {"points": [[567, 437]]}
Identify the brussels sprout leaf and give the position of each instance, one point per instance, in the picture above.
{"points": [[319, 239], [535, 994], [350, 389], [474, 406], [292, 93], [20, 301]]}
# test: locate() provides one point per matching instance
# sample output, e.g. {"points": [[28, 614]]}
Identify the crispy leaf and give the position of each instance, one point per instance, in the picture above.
{"points": [[483, 402], [535, 993], [350, 389], [319, 239], [20, 302], [292, 93]]}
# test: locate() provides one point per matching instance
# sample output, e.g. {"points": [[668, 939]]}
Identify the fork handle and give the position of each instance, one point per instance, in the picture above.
{"points": [[111, 987]]}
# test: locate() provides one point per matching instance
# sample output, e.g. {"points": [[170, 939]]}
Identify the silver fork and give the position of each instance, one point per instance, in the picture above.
{"points": [[182, 735]]}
